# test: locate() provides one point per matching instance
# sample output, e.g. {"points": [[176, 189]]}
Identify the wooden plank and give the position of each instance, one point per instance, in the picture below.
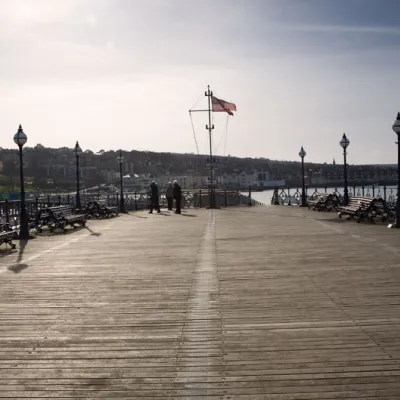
{"points": [[249, 303]]}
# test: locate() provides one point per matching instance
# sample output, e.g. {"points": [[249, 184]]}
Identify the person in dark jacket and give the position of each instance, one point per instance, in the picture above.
{"points": [[177, 196], [154, 199], [169, 194]]}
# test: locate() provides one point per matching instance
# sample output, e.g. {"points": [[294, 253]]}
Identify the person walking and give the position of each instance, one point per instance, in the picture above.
{"points": [[177, 196], [154, 199], [169, 194]]}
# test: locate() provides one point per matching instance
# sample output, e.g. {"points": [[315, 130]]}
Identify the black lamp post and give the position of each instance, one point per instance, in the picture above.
{"points": [[345, 144], [20, 139], [396, 129], [120, 160], [78, 152], [302, 154]]}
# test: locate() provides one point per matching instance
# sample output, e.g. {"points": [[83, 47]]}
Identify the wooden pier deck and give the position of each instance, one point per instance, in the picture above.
{"points": [[249, 303]]}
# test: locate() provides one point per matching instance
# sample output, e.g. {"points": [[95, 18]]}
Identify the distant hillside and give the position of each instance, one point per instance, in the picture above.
{"points": [[39, 158]]}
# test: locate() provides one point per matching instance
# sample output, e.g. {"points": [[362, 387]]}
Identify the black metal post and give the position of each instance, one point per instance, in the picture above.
{"points": [[7, 211], [122, 201], [23, 228], [303, 185], [346, 190], [397, 223], [210, 127], [78, 196]]}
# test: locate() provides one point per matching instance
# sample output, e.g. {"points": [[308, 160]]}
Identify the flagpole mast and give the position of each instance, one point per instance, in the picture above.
{"points": [[210, 128]]}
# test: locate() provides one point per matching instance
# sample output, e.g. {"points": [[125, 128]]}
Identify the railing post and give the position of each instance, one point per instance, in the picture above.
{"points": [[136, 205], [117, 200], [384, 192], [68, 199], [249, 199], [59, 200], [200, 199], [373, 190], [48, 201], [363, 190], [326, 189], [7, 211], [275, 197], [289, 202]]}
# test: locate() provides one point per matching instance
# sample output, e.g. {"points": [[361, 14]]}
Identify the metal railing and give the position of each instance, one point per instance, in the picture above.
{"points": [[292, 196], [10, 209]]}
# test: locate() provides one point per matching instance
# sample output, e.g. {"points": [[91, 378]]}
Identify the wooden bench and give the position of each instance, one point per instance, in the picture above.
{"points": [[62, 216], [359, 208], [42, 218], [100, 209], [324, 202], [379, 209], [391, 211], [7, 234], [316, 202]]}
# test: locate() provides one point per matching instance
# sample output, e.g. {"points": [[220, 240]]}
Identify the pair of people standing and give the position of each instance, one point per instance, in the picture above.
{"points": [[174, 191]]}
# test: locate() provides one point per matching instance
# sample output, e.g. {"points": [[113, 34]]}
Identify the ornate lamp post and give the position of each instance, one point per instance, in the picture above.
{"points": [[78, 152], [396, 129], [302, 154], [20, 139], [120, 160], [345, 144]]}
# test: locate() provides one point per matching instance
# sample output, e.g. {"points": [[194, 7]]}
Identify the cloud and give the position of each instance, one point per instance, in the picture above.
{"points": [[373, 30], [37, 11], [121, 73]]}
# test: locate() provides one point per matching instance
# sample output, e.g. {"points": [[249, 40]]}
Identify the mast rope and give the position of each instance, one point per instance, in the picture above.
{"points": [[194, 132], [226, 133], [197, 101], [224, 136]]}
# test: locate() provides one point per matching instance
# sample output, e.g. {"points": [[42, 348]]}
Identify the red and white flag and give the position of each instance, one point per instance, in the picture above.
{"points": [[219, 105]]}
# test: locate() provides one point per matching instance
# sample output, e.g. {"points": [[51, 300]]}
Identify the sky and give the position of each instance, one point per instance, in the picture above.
{"points": [[122, 74]]}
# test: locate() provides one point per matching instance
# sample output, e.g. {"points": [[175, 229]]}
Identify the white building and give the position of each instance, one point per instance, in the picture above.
{"points": [[245, 179]]}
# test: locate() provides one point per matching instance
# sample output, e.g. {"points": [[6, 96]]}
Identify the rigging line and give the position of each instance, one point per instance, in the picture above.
{"points": [[197, 101], [223, 137], [219, 143], [194, 133], [226, 133]]}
